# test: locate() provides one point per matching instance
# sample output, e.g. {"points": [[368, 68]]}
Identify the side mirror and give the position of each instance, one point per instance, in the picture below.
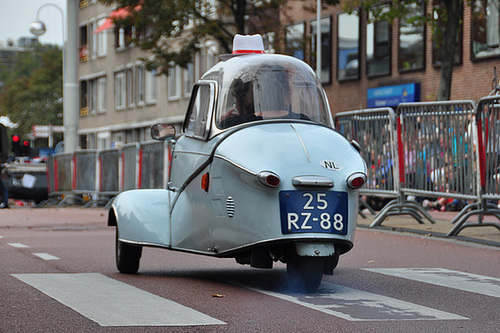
{"points": [[162, 131]]}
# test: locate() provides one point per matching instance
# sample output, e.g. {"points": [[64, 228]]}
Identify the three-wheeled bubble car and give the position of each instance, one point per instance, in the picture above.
{"points": [[259, 175]]}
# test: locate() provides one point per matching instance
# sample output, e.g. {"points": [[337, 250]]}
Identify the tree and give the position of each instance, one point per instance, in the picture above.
{"points": [[445, 28], [173, 31], [33, 90]]}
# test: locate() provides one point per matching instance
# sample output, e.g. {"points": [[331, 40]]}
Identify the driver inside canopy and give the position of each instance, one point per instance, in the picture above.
{"points": [[243, 109], [271, 89]]}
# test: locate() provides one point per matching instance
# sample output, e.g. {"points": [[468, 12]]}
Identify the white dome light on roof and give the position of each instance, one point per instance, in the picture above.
{"points": [[248, 44]]}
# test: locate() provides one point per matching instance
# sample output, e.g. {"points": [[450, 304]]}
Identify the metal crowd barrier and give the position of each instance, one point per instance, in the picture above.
{"points": [[487, 118], [130, 167], [109, 178], [59, 179], [103, 174], [430, 150], [63, 173], [51, 175], [152, 165], [436, 155], [374, 130], [85, 172]]}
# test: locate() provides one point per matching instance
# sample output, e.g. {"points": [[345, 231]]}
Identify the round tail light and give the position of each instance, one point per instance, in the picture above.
{"points": [[356, 180], [269, 179]]}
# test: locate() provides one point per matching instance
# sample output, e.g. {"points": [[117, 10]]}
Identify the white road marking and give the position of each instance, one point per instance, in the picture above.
{"points": [[109, 302], [356, 305], [1, 236], [18, 245], [46, 256], [479, 284]]}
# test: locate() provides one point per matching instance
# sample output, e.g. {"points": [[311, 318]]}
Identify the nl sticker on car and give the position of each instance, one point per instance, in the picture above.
{"points": [[313, 211]]}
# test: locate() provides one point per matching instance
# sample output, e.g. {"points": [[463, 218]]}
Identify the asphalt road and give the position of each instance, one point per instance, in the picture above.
{"points": [[57, 274]]}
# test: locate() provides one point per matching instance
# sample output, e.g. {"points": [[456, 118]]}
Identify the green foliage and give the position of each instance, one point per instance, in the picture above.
{"points": [[172, 31], [32, 94]]}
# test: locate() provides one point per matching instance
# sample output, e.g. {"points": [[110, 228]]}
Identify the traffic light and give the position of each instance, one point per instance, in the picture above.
{"points": [[16, 144], [25, 148]]}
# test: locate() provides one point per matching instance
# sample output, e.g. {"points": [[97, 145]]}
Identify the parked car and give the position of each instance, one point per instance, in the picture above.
{"points": [[259, 174], [26, 181]]}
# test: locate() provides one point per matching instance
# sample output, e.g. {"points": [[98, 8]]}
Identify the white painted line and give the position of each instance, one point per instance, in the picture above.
{"points": [[46, 256], [356, 305], [109, 302], [1, 236], [18, 245], [479, 284]]}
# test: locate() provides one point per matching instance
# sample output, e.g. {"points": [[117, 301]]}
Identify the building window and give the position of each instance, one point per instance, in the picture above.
{"points": [[174, 82], [295, 41], [103, 140], [212, 57], [84, 48], [437, 38], [348, 46], [93, 96], [485, 29], [130, 86], [91, 92], [120, 96], [378, 46], [326, 48], [200, 64], [188, 79], [93, 40], [84, 97], [412, 39], [101, 94], [151, 86], [139, 85], [123, 37], [102, 44]]}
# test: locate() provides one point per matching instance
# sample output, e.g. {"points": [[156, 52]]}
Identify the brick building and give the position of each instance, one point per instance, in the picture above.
{"points": [[359, 56]]}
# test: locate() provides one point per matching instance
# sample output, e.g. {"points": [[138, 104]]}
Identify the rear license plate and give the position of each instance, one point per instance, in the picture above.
{"points": [[313, 211]]}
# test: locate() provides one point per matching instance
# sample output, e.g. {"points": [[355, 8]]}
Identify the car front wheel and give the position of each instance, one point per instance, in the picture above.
{"points": [[127, 256]]}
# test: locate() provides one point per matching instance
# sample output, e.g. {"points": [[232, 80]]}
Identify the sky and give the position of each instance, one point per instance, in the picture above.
{"points": [[17, 15]]}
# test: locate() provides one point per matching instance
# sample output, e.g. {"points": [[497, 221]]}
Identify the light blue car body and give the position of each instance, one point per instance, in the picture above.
{"points": [[238, 212]]}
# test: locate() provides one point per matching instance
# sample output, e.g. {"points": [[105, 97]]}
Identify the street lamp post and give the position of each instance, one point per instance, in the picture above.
{"points": [[70, 86]]}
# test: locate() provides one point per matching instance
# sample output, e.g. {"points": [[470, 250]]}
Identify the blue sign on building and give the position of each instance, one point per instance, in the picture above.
{"points": [[393, 95]]}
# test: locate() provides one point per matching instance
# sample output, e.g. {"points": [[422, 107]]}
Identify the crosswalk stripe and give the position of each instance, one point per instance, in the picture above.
{"points": [[357, 305], [19, 245], [479, 284], [46, 256], [109, 302]]}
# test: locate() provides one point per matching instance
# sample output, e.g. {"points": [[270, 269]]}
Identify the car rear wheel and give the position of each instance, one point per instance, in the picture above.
{"points": [[305, 273], [127, 256]]}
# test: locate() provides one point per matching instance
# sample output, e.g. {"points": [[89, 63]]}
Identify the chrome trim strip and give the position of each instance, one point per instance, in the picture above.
{"points": [[167, 247], [327, 238], [236, 165], [312, 181], [191, 152], [302, 142]]}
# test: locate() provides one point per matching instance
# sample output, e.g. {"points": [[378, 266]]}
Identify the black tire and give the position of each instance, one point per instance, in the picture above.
{"points": [[127, 256], [305, 273]]}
